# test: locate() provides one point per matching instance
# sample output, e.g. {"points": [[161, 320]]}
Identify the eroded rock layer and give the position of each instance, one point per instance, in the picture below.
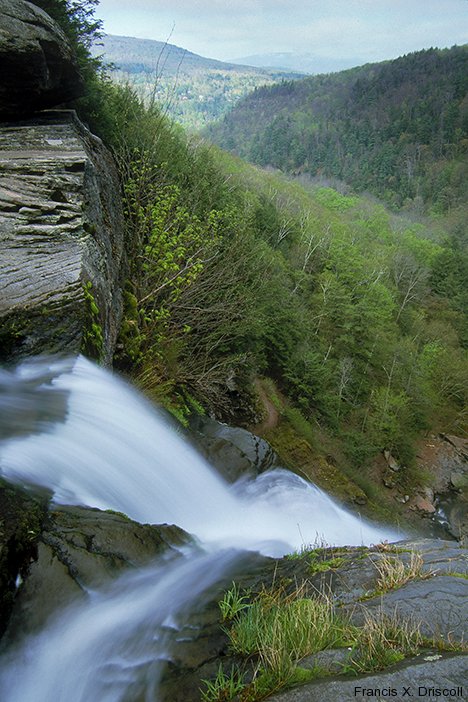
{"points": [[61, 234]]}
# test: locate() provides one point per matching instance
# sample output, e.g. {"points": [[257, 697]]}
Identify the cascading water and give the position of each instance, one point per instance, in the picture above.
{"points": [[93, 440]]}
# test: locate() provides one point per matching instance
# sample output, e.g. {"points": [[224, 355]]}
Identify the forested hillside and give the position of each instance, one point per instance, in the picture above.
{"points": [[339, 306], [350, 318], [397, 129]]}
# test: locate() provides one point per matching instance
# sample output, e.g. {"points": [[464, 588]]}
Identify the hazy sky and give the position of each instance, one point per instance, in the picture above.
{"points": [[358, 30]]}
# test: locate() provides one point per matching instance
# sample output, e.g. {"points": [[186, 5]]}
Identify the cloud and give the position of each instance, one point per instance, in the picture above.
{"points": [[371, 29]]}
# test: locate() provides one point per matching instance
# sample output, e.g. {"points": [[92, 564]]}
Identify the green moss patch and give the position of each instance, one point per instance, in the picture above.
{"points": [[298, 455]]}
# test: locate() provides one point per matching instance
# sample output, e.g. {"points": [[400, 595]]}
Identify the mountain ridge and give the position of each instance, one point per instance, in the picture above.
{"points": [[114, 44], [394, 128], [194, 90], [307, 63]]}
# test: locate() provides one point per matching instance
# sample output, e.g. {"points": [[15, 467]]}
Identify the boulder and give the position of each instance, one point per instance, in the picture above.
{"points": [[233, 451], [83, 548], [61, 234], [391, 461], [459, 480], [459, 443], [424, 505], [37, 65]]}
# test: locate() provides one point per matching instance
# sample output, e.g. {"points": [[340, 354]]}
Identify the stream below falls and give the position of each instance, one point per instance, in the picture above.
{"points": [[84, 434]]}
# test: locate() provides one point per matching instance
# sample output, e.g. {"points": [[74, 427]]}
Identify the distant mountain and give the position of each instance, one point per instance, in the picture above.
{"points": [[398, 129], [302, 63], [193, 89], [149, 56]]}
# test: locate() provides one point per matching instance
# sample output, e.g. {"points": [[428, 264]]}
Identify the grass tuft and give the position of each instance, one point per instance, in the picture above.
{"points": [[394, 573], [224, 687], [383, 640], [232, 603]]}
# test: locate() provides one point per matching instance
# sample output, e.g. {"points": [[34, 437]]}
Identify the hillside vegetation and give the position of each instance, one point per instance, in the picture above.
{"points": [[352, 318], [239, 274], [398, 129]]}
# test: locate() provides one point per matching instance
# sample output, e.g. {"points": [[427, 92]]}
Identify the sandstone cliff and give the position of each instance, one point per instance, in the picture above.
{"points": [[61, 222], [61, 228], [37, 65]]}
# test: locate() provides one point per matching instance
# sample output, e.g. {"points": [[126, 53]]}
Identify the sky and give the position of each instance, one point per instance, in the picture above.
{"points": [[357, 31]]}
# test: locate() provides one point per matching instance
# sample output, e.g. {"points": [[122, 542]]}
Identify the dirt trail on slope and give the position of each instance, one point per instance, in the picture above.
{"points": [[272, 415]]}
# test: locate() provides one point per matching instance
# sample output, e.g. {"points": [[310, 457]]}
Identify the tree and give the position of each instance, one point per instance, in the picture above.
{"points": [[410, 279]]}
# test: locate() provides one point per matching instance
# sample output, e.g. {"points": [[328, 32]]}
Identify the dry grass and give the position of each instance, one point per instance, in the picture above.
{"points": [[394, 572], [384, 640]]}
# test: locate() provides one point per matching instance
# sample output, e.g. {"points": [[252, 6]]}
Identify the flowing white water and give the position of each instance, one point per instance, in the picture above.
{"points": [[112, 648], [95, 441]]}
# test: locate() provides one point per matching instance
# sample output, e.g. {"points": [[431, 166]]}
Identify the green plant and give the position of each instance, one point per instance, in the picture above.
{"points": [[464, 576], [282, 628], [92, 344], [224, 687], [300, 425], [382, 641], [321, 566], [277, 630], [394, 573], [232, 603]]}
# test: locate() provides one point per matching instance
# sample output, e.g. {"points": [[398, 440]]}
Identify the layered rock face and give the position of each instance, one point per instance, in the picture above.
{"points": [[61, 233], [61, 222], [37, 66]]}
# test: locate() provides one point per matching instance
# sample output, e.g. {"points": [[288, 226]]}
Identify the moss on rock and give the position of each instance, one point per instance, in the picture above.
{"points": [[298, 455], [22, 517]]}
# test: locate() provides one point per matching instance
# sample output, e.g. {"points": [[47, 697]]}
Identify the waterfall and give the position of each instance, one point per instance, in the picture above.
{"points": [[93, 440], [111, 649]]}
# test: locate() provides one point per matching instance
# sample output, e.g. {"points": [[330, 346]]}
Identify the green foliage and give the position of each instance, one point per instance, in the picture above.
{"points": [[234, 272], [282, 629], [276, 630], [217, 244], [232, 603], [322, 566], [300, 425], [334, 200], [383, 641], [224, 687], [92, 344], [397, 129]]}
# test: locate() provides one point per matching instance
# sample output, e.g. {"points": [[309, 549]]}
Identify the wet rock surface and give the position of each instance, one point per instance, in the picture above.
{"points": [[82, 548], [61, 232], [37, 67], [21, 519], [436, 600], [416, 677], [233, 451]]}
